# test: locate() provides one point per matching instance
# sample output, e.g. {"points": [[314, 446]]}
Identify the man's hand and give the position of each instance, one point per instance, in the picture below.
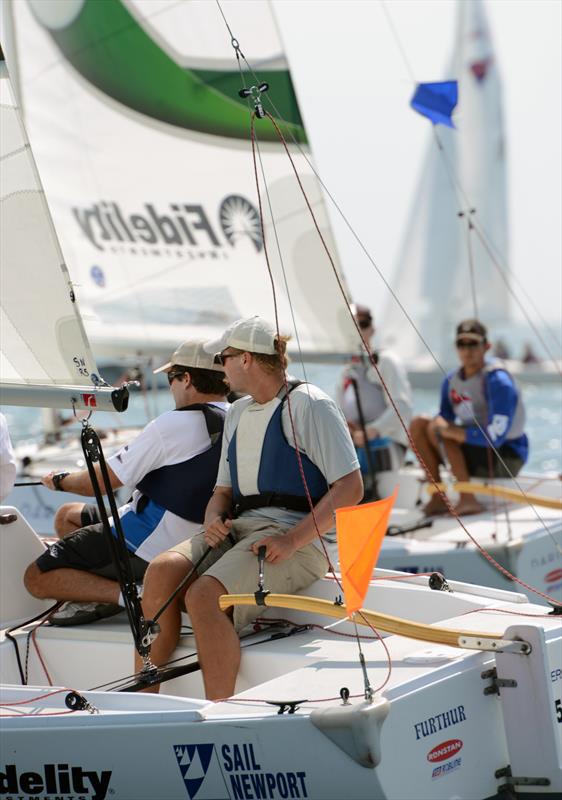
{"points": [[439, 424], [359, 437], [277, 548], [217, 531], [47, 480], [454, 433]]}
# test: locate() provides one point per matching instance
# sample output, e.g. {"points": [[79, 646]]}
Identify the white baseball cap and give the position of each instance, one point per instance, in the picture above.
{"points": [[252, 335], [191, 354]]}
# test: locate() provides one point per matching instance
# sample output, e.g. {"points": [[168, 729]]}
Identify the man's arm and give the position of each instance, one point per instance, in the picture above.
{"points": [[79, 482], [346, 491], [217, 525]]}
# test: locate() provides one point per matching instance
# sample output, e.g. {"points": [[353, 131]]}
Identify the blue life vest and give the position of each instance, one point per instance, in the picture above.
{"points": [[185, 488], [280, 481]]}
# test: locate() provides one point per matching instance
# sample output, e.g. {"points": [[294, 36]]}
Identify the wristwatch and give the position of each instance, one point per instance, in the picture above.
{"points": [[57, 480]]}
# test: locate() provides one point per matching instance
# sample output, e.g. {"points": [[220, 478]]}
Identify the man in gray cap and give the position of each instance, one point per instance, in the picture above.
{"points": [[286, 447], [480, 425], [173, 465]]}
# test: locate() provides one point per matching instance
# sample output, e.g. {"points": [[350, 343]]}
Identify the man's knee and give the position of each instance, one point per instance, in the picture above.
{"points": [[203, 595], [68, 518], [163, 575], [33, 580], [418, 426]]}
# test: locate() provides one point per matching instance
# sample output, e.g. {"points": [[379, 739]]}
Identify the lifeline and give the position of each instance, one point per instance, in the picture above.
{"points": [[439, 722]]}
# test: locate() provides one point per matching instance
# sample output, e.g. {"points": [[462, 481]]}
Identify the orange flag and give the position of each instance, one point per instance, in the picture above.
{"points": [[361, 530]]}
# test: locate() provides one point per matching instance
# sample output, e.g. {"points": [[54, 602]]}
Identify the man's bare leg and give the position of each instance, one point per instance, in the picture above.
{"points": [[428, 448], [218, 644], [70, 584], [163, 575], [467, 504], [68, 518]]}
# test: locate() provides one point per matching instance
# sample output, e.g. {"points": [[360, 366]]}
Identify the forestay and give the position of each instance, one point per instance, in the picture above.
{"points": [[144, 147], [45, 358]]}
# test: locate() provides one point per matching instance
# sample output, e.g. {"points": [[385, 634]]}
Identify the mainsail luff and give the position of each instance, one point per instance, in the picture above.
{"points": [[464, 173], [45, 357]]}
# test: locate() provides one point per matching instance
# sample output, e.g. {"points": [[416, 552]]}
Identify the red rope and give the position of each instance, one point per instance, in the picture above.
{"points": [[373, 361], [289, 408]]}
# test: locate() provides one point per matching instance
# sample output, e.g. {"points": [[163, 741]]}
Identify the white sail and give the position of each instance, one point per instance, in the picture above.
{"points": [[433, 279], [143, 143], [45, 357]]}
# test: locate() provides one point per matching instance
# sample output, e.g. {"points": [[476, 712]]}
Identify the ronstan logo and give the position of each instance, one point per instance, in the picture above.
{"points": [[444, 750], [55, 779]]}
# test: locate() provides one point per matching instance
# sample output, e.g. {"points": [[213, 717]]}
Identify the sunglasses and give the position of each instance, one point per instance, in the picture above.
{"points": [[175, 374], [364, 323], [220, 358], [467, 344]]}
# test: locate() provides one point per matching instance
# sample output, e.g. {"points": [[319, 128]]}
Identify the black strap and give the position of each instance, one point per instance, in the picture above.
{"points": [[271, 499]]}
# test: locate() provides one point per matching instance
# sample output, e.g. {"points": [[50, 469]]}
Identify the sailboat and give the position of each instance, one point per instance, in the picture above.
{"points": [[148, 271], [454, 259], [305, 721]]}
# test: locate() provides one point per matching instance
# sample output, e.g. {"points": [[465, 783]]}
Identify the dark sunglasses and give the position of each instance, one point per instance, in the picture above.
{"points": [[175, 374], [364, 323], [463, 344], [220, 359]]}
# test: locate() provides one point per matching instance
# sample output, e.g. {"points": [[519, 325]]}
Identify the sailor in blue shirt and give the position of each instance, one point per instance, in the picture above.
{"points": [[480, 424]]}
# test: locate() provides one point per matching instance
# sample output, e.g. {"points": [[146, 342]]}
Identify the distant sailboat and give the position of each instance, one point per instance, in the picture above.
{"points": [[441, 261]]}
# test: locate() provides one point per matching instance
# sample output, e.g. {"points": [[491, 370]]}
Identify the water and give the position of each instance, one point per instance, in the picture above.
{"points": [[543, 404]]}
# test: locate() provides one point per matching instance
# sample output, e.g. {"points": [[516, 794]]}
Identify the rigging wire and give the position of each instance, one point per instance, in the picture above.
{"points": [[450, 508], [456, 187]]}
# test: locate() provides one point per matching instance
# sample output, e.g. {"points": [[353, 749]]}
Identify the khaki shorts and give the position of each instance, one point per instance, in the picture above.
{"points": [[236, 566]]}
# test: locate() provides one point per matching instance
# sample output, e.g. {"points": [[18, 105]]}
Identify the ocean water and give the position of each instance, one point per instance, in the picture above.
{"points": [[543, 406]]}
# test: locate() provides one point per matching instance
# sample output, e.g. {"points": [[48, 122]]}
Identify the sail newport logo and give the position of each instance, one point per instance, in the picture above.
{"points": [[233, 771], [180, 225], [60, 780]]}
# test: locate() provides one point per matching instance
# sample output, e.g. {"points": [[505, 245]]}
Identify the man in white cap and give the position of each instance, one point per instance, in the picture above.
{"points": [[173, 465], [286, 446]]}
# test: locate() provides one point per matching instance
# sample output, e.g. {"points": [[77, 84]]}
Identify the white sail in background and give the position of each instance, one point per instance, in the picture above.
{"points": [[434, 274], [143, 144], [42, 341]]}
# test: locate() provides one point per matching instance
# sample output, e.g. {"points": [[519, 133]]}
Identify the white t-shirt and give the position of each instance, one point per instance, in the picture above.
{"points": [[321, 433], [376, 406], [171, 438], [7, 461]]}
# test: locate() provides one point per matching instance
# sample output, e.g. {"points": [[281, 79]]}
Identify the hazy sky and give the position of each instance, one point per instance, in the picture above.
{"points": [[354, 88]]}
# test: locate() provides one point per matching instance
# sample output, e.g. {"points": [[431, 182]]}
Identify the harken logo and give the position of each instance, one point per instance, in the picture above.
{"points": [[239, 219]]}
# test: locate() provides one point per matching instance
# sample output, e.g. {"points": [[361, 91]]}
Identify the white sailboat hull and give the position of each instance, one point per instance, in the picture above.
{"points": [[422, 737], [525, 540]]}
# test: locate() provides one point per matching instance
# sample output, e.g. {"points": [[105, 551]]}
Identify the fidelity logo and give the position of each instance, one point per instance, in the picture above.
{"points": [[181, 225], [61, 780]]}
